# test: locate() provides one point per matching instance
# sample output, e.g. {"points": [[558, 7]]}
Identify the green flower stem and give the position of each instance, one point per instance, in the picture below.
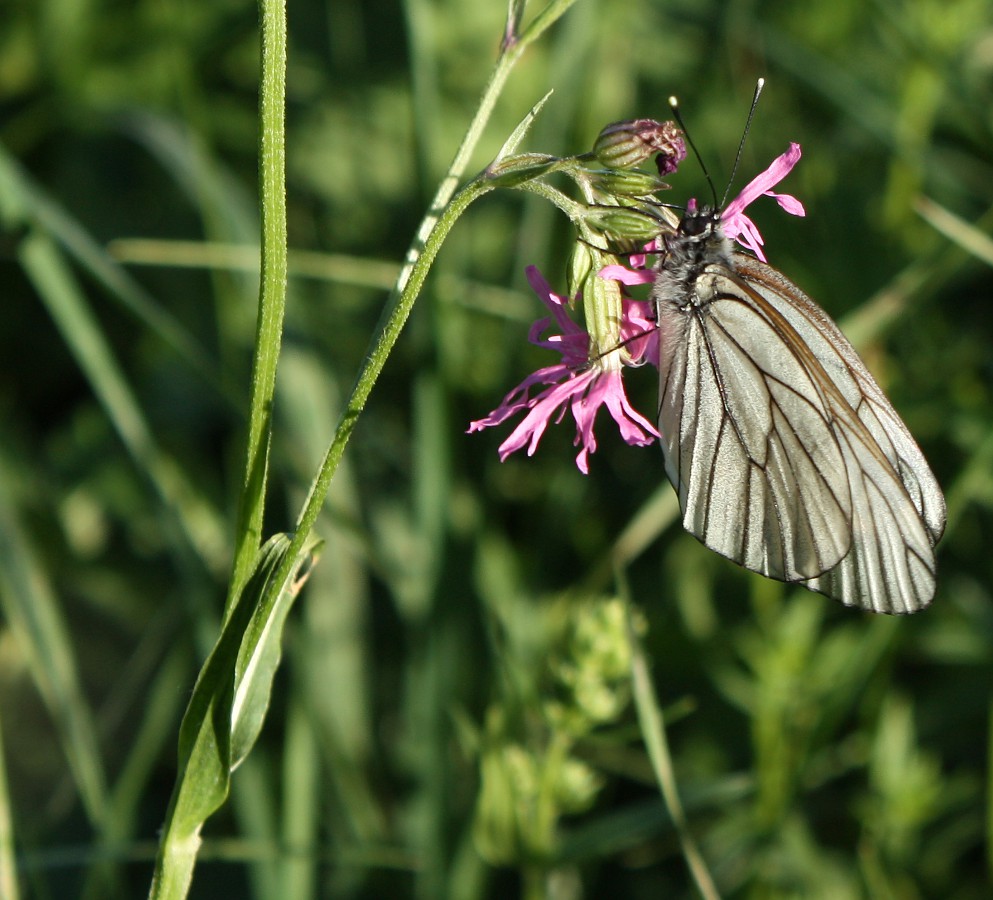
{"points": [[174, 867], [8, 860], [557, 198], [443, 213], [391, 324], [272, 291]]}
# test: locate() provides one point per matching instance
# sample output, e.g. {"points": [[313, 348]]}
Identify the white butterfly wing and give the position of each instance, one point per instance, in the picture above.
{"points": [[786, 455], [898, 510], [747, 439]]}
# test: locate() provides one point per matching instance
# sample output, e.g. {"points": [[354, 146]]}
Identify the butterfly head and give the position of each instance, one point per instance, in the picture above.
{"points": [[699, 222], [699, 238]]}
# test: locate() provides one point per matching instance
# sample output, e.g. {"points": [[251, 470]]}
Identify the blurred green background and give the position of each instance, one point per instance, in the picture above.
{"points": [[450, 718]]}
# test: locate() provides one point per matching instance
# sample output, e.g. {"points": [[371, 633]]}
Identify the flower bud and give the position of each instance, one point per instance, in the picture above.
{"points": [[623, 224], [576, 786], [512, 171], [509, 779], [623, 145], [617, 183], [603, 310], [581, 264]]}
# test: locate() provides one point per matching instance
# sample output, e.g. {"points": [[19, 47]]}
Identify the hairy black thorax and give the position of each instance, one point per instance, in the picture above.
{"points": [[697, 245]]}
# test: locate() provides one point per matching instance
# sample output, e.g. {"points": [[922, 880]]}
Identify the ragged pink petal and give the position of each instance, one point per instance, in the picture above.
{"points": [[737, 226]]}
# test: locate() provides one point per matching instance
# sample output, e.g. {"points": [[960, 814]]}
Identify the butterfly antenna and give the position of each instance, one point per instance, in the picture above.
{"points": [[744, 135], [674, 106]]}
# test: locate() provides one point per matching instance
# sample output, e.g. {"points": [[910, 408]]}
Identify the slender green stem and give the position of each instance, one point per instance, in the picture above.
{"points": [[181, 839], [391, 323], [8, 866], [272, 290], [442, 214], [174, 867], [180, 842]]}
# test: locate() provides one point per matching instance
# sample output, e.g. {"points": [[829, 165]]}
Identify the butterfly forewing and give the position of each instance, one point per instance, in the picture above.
{"points": [[747, 441], [786, 455], [850, 376]]}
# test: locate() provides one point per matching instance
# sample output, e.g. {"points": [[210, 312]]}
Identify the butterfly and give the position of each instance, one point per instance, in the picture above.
{"points": [[785, 454]]}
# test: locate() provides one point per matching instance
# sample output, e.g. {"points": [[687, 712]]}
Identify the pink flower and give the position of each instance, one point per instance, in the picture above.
{"points": [[737, 226], [584, 384]]}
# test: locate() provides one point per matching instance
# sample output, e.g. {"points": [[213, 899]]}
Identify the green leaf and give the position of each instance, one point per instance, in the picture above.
{"points": [[261, 647], [241, 665], [523, 127], [227, 709]]}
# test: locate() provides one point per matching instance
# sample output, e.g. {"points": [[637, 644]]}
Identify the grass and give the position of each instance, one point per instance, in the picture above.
{"points": [[450, 716]]}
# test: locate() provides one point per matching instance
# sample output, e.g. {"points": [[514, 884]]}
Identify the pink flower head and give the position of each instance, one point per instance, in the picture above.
{"points": [[737, 226], [584, 384]]}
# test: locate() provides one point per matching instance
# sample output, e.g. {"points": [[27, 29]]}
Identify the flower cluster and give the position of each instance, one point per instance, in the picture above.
{"points": [[584, 381]]}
